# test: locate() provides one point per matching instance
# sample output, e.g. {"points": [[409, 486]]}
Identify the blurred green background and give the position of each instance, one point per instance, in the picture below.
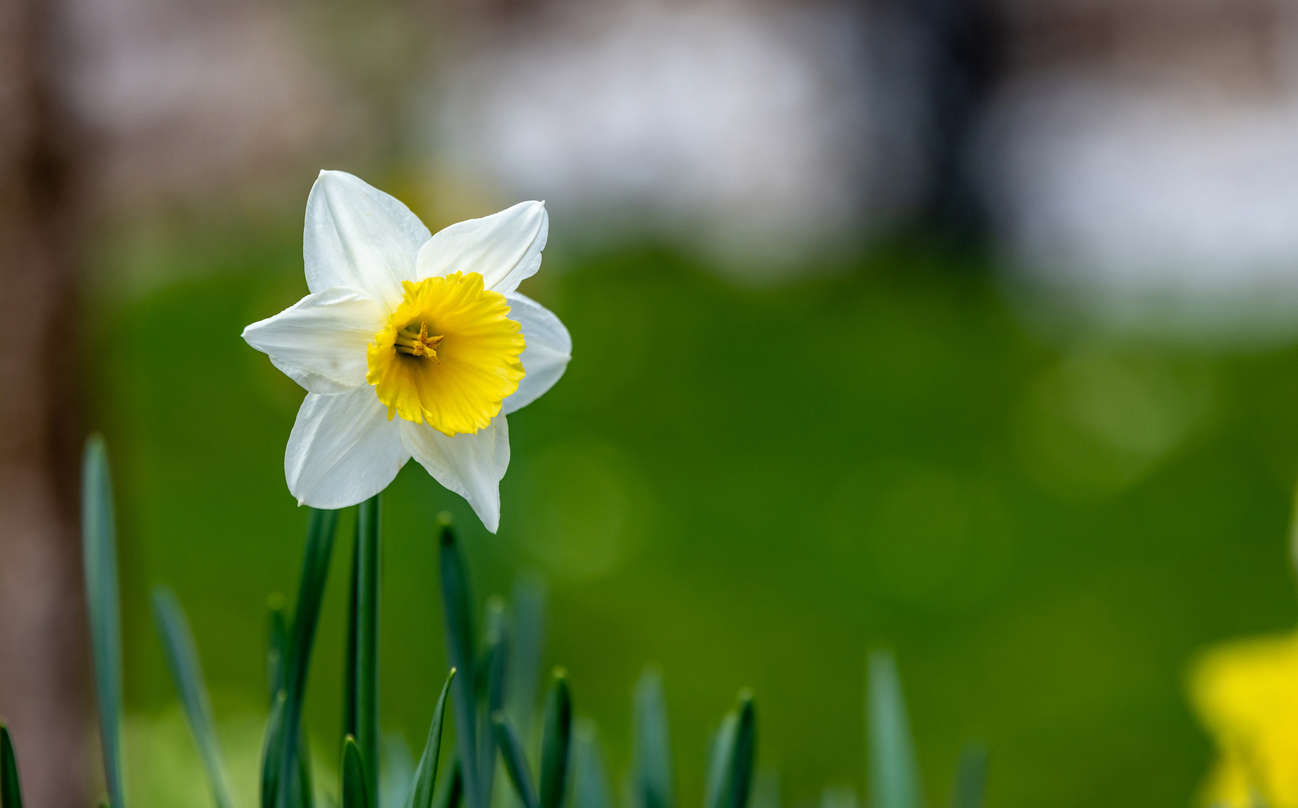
{"points": [[745, 486]]}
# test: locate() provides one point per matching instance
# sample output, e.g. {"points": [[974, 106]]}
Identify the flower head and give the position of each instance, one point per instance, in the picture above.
{"points": [[410, 345], [1246, 694]]}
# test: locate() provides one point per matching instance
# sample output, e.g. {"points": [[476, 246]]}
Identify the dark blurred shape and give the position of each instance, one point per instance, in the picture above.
{"points": [[961, 45], [42, 634]]}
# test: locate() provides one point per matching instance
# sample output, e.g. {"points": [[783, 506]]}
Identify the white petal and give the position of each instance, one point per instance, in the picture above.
{"points": [[549, 347], [342, 449], [320, 341], [358, 237], [470, 465], [504, 247]]}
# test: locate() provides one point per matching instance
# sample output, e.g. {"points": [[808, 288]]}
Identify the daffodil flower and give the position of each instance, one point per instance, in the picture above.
{"points": [[410, 345]]}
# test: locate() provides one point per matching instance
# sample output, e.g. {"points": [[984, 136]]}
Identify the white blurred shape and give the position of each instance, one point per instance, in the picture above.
{"points": [[1172, 198], [740, 132]]}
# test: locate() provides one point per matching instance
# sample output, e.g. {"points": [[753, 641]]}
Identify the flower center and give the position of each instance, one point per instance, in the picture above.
{"points": [[414, 340], [448, 355]]}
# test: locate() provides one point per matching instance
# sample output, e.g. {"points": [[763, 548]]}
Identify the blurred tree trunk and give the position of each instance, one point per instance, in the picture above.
{"points": [[44, 687]]}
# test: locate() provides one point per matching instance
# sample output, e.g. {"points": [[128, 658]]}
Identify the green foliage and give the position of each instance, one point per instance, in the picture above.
{"points": [[11, 795], [556, 741], [182, 659], [355, 780], [480, 698], [99, 549], [423, 790], [734, 753], [971, 778], [362, 689], [894, 779], [652, 744]]}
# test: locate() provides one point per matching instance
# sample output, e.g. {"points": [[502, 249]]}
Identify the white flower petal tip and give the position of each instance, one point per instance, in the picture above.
{"points": [[470, 465], [505, 247], [342, 450], [358, 237]]}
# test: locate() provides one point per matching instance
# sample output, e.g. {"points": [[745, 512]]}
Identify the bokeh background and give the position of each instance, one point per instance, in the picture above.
{"points": [[964, 329]]}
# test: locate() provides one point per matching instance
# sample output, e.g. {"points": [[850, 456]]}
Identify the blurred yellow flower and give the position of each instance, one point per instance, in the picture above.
{"points": [[1246, 695]]}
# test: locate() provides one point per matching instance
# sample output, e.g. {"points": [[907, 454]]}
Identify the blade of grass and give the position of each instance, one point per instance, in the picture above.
{"points": [[730, 775], [366, 620], [589, 782], [652, 744], [494, 662], [349, 655], [99, 547], [450, 793], [315, 570], [182, 660], [11, 795], [526, 642], [354, 791], [971, 778], [272, 751], [556, 740], [457, 610], [511, 752], [421, 796], [894, 778]]}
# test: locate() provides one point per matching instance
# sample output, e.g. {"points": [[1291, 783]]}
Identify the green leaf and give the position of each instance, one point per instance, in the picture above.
{"points": [[421, 796], [451, 791], [492, 668], [894, 778], [526, 643], [652, 744], [556, 739], [589, 782], [511, 751], [10, 793], [99, 547], [354, 788], [182, 660], [365, 619], [315, 570], [730, 774], [273, 752], [457, 610], [971, 779], [349, 655]]}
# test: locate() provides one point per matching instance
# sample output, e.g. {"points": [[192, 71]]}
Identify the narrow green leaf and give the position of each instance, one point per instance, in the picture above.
{"points": [[354, 790], [652, 775], [366, 621], [556, 740], [589, 781], [272, 752], [349, 655], [511, 752], [11, 795], [451, 790], [457, 609], [421, 796], [526, 644], [894, 778], [182, 660], [492, 669], [730, 775], [276, 646], [315, 570], [99, 548], [971, 779]]}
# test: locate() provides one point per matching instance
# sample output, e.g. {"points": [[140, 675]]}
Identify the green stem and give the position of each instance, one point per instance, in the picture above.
{"points": [[367, 641]]}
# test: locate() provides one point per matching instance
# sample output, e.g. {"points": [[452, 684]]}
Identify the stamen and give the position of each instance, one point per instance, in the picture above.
{"points": [[418, 342]]}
